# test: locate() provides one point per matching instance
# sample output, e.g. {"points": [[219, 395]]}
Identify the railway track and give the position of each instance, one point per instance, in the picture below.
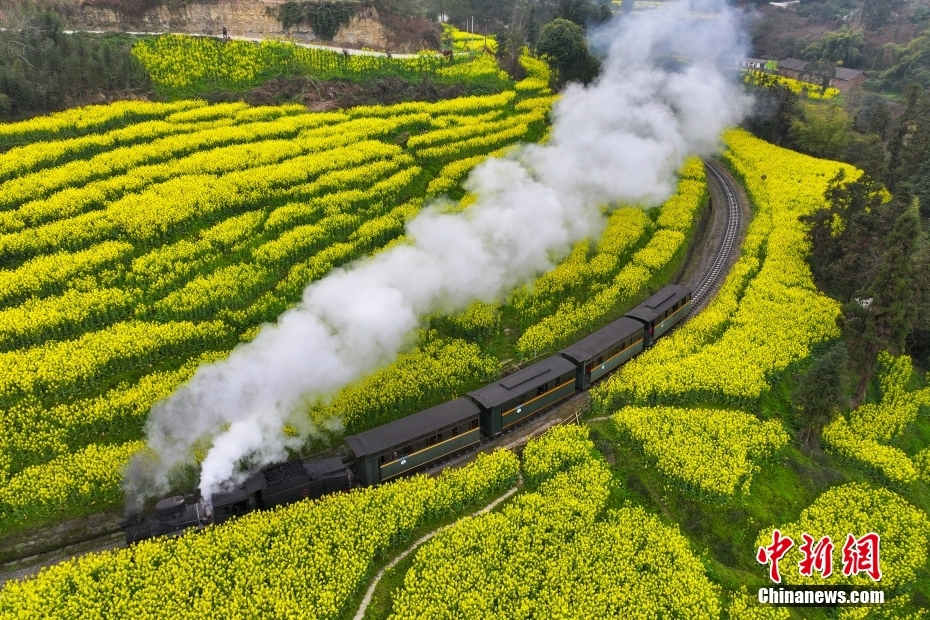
{"points": [[719, 267], [511, 438]]}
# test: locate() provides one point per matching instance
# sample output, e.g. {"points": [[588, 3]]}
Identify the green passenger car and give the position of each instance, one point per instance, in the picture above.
{"points": [[410, 443], [604, 350], [662, 311], [518, 396]]}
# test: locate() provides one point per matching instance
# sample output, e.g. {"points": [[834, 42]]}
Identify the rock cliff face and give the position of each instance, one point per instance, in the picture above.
{"points": [[247, 18]]}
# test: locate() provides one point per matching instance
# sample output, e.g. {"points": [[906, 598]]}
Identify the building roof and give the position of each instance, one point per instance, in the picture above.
{"points": [[650, 309], [602, 339], [525, 380], [842, 73], [793, 64], [401, 432]]}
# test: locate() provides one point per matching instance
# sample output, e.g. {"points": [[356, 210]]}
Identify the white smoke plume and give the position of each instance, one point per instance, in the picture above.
{"points": [[620, 139]]}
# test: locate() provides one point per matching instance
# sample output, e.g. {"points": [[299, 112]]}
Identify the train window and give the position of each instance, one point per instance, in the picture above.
{"points": [[600, 360], [383, 459], [394, 456], [541, 389], [455, 431], [558, 380], [474, 424], [408, 450], [433, 440], [420, 445]]}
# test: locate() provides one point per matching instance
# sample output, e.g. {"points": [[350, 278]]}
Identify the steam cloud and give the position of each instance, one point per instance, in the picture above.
{"points": [[621, 139]]}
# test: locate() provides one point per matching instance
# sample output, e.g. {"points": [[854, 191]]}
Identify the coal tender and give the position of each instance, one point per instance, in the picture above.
{"points": [[280, 484]]}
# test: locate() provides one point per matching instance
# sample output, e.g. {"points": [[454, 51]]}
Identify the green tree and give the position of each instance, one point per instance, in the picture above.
{"points": [[584, 12], [846, 236], [877, 13], [775, 109], [871, 113], [827, 10], [843, 46], [887, 319], [915, 151], [822, 132], [532, 28], [898, 138], [919, 340], [820, 391], [43, 70], [325, 17], [866, 152], [510, 42], [920, 185], [911, 64], [563, 45]]}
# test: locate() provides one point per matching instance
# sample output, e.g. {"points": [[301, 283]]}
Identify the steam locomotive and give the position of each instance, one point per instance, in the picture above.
{"points": [[416, 441]]}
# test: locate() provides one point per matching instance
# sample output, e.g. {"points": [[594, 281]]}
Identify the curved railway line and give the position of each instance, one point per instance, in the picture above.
{"points": [[718, 268], [704, 284]]}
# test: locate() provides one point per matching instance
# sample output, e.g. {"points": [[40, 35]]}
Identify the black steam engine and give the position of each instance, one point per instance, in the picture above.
{"points": [[280, 484], [416, 441]]}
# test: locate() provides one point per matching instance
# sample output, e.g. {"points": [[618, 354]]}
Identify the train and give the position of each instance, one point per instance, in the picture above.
{"points": [[423, 439]]}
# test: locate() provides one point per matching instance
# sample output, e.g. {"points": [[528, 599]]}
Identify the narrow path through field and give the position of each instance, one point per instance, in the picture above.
{"points": [[374, 584]]}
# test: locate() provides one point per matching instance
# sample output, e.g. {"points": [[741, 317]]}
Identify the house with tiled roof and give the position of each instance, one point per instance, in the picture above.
{"points": [[842, 79]]}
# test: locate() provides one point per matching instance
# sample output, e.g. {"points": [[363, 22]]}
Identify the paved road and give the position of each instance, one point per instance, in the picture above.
{"points": [[313, 46]]}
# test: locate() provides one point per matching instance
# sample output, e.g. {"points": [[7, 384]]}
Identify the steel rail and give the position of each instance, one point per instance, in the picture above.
{"points": [[722, 260]]}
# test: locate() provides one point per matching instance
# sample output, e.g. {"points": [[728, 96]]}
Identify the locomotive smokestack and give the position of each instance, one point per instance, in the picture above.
{"points": [[619, 140]]}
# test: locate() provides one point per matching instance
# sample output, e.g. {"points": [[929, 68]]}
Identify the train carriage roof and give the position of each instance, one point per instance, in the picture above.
{"points": [[602, 339], [653, 307], [527, 379], [403, 431]]}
